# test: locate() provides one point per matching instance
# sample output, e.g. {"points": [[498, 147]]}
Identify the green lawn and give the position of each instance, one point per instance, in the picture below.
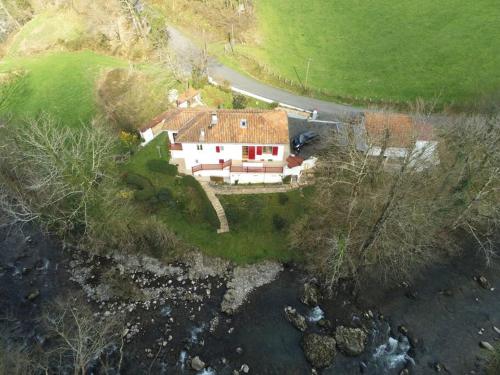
{"points": [[253, 234], [388, 50], [46, 30], [62, 84]]}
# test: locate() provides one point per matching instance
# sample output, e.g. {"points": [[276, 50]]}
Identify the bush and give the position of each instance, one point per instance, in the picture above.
{"points": [[164, 195], [239, 102], [161, 166], [279, 222], [146, 190], [282, 198], [138, 181]]}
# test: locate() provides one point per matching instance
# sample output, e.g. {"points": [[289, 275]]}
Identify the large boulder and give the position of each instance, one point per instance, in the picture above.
{"points": [[311, 294], [197, 364], [350, 341], [297, 320], [318, 349]]}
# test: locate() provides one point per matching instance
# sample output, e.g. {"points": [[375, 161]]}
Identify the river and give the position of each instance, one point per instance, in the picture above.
{"points": [[443, 315]]}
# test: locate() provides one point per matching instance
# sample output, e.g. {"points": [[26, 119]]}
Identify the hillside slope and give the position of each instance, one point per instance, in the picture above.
{"points": [[382, 49]]}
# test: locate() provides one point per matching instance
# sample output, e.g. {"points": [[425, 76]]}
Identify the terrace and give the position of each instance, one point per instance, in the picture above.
{"points": [[238, 167]]}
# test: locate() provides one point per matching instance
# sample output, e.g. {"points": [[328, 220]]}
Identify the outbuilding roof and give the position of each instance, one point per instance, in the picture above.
{"points": [[401, 130]]}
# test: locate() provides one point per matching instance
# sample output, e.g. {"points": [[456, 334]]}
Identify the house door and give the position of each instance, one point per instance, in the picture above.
{"points": [[251, 152]]}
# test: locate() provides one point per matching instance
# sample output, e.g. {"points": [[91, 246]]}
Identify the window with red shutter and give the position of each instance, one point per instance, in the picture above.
{"points": [[259, 150], [275, 151], [217, 148]]}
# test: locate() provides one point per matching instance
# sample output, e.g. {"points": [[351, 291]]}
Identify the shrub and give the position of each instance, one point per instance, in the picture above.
{"points": [[138, 181], [161, 166], [164, 195], [146, 190], [239, 102], [279, 222], [282, 198]]}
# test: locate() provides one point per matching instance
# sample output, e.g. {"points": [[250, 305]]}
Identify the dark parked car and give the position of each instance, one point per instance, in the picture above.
{"points": [[302, 139]]}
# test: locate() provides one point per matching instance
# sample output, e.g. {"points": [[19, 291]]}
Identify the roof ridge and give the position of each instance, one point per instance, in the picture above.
{"points": [[190, 123]]}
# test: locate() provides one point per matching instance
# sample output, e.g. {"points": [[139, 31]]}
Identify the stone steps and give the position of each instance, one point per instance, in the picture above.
{"points": [[219, 210]]}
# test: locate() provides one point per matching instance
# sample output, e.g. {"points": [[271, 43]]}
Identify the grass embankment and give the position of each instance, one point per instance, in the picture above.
{"points": [[259, 223], [385, 50], [62, 84]]}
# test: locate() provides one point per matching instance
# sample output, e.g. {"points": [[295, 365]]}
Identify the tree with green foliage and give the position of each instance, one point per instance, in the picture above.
{"points": [[239, 101]]}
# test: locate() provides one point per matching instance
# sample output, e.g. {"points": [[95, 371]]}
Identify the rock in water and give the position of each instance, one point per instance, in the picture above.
{"points": [[483, 281], [33, 295], [311, 294], [297, 320], [351, 341], [319, 350], [197, 364], [245, 368], [486, 345]]}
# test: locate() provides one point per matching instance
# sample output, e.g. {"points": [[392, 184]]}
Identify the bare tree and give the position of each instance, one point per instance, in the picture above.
{"points": [[51, 173], [82, 340], [386, 216]]}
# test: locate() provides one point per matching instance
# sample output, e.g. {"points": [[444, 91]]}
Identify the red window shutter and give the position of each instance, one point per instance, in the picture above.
{"points": [[275, 150], [251, 152], [221, 161], [217, 148], [259, 150]]}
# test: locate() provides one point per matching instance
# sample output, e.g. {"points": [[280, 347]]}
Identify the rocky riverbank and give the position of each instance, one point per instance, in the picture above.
{"points": [[207, 316]]}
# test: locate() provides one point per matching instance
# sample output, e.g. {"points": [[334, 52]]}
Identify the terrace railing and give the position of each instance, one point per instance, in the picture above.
{"points": [[235, 168], [212, 167]]}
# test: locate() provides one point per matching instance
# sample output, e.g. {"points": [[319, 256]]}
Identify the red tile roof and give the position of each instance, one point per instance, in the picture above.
{"points": [[401, 130], [262, 126], [294, 161], [189, 94]]}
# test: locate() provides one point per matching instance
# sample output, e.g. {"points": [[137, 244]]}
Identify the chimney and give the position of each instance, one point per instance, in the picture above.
{"points": [[202, 135], [214, 119]]}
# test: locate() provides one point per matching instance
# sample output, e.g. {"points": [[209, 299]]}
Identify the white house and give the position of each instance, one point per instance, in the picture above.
{"points": [[235, 146]]}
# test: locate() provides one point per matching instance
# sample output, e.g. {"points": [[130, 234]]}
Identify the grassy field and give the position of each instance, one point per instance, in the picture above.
{"points": [[62, 84], [382, 50], [259, 223], [45, 31]]}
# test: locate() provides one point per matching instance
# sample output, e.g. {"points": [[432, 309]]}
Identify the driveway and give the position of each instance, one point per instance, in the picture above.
{"points": [[296, 126]]}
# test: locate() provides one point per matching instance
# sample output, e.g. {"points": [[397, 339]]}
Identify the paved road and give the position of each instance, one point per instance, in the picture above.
{"points": [[187, 51]]}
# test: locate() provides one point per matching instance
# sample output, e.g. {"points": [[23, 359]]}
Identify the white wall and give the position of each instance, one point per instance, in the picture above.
{"points": [[147, 135], [208, 155], [256, 178]]}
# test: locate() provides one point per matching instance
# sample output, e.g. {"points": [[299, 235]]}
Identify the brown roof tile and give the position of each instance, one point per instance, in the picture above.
{"points": [[294, 161], [263, 126], [402, 130], [175, 118], [187, 95]]}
